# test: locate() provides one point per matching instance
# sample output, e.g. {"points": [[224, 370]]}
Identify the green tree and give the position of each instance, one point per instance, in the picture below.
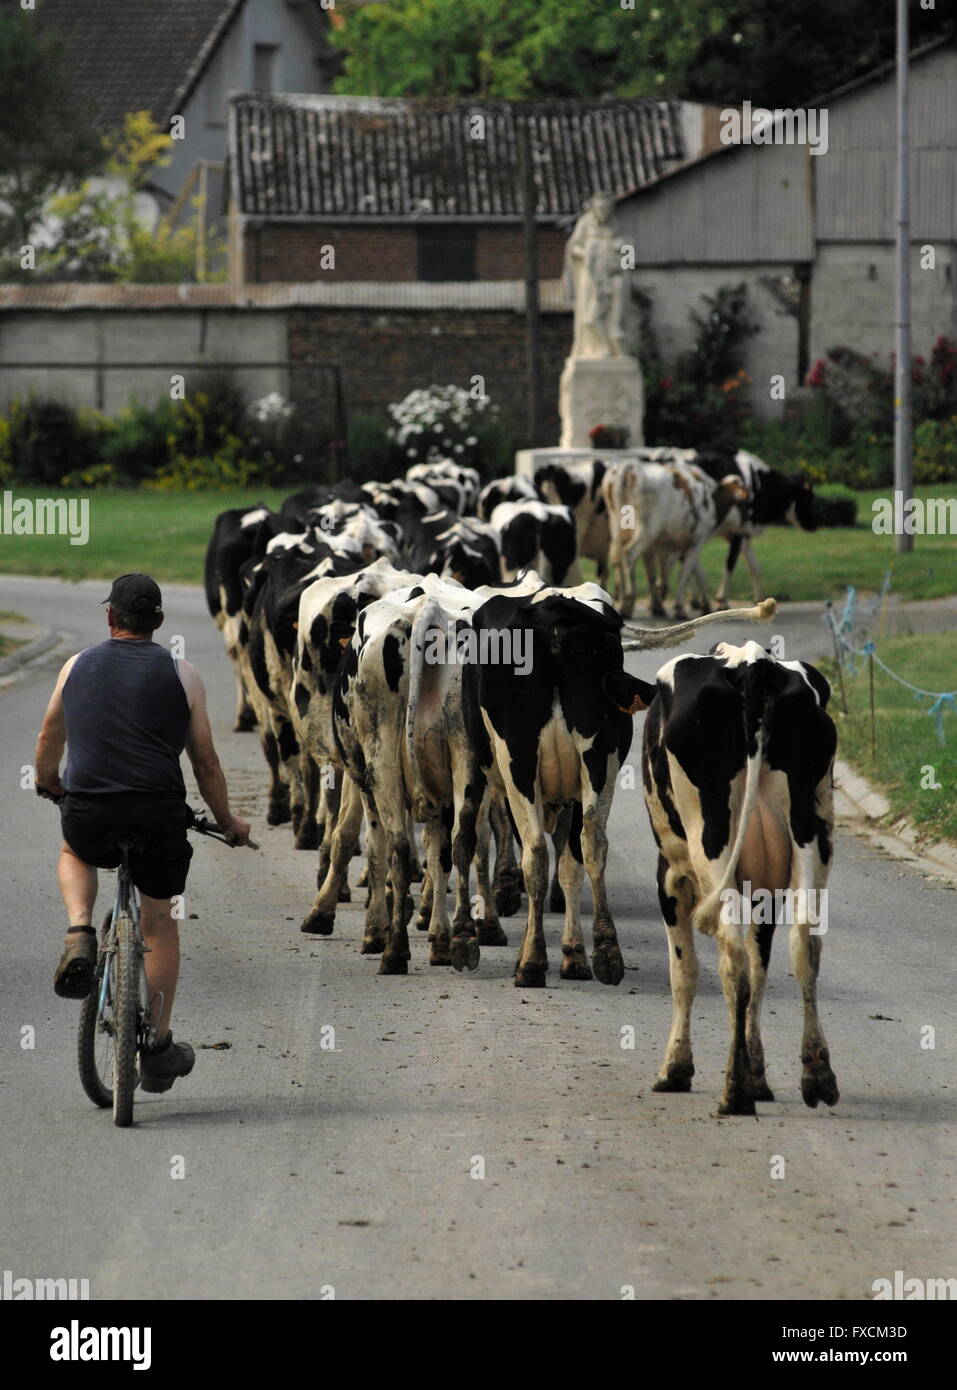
{"points": [[101, 235], [46, 142], [706, 50]]}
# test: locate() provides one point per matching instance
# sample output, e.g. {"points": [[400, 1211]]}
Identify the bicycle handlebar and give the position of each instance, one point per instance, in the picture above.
{"points": [[203, 826]]}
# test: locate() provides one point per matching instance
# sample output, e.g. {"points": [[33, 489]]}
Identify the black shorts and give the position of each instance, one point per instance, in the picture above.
{"points": [[160, 870]]}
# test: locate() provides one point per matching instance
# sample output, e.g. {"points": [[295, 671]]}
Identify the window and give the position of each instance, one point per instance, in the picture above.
{"points": [[446, 252], [265, 63]]}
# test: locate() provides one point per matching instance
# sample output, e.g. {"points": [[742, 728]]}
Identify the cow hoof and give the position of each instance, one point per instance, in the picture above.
{"points": [[491, 934], [575, 966], [319, 924], [679, 614], [678, 1078], [556, 900], [394, 965], [819, 1085], [761, 1089], [278, 815], [531, 976], [308, 838], [607, 963], [345, 894], [245, 723], [422, 921], [508, 901], [363, 880], [372, 946], [737, 1102], [465, 953], [440, 955]]}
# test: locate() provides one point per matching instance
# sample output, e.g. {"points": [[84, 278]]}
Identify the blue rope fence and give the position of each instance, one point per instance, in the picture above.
{"points": [[842, 630]]}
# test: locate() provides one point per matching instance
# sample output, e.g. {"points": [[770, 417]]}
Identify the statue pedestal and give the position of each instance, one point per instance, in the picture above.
{"points": [[601, 391]]}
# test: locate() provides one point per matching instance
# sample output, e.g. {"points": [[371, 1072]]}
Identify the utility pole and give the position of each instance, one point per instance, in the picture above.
{"points": [[903, 427], [533, 351]]}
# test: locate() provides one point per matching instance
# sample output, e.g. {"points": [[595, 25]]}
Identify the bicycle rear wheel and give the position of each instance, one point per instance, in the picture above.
{"points": [[95, 1035], [125, 1020]]}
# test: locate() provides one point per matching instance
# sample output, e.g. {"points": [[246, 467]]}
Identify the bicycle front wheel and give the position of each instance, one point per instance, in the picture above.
{"points": [[95, 1036], [125, 1020]]}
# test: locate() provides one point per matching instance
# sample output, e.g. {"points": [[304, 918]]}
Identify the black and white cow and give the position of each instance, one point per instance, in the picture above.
{"points": [[535, 536], [737, 768], [577, 485], [774, 499], [239, 535], [456, 485], [551, 731], [512, 489]]}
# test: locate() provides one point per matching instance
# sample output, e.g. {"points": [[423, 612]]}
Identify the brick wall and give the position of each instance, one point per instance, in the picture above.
{"points": [[294, 252], [383, 356]]}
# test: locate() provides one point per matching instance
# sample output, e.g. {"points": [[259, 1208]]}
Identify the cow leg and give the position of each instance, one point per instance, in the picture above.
{"points": [[731, 559], [438, 843], [688, 566], [245, 715], [571, 871], [465, 943], [738, 1098], [818, 1081], [677, 903], [489, 928], [556, 896], [423, 917], [759, 954], [655, 589], [278, 812], [322, 915], [307, 836], [507, 882], [606, 958], [532, 965], [390, 803], [755, 568]]}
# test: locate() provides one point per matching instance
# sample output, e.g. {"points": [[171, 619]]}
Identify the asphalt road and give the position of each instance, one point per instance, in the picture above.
{"points": [[349, 1160]]}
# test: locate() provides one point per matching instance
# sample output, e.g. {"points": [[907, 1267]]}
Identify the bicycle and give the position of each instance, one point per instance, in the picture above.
{"points": [[115, 1017]]}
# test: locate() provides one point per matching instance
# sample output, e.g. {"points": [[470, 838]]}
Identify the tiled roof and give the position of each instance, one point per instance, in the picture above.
{"points": [[373, 157], [348, 294], [136, 55]]}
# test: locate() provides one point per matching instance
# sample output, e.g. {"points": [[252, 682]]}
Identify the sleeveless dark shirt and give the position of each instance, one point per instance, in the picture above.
{"points": [[127, 717]]}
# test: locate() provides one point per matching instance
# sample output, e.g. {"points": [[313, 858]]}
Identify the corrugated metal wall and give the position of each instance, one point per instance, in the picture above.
{"points": [[771, 202]]}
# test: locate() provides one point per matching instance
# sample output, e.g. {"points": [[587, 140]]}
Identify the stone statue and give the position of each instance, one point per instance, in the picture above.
{"points": [[594, 282]]}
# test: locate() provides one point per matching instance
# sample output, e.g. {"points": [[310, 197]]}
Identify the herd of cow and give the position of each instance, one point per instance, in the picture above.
{"points": [[411, 653]]}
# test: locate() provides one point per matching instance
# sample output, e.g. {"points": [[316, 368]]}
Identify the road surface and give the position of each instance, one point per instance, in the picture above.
{"points": [[453, 1136]]}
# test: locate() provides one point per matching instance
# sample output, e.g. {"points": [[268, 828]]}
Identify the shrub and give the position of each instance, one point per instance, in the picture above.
{"points": [[43, 440], [226, 469], [370, 447], [835, 505], [935, 451]]}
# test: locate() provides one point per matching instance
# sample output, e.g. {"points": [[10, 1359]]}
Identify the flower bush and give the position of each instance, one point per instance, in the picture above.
{"points": [[440, 422]]}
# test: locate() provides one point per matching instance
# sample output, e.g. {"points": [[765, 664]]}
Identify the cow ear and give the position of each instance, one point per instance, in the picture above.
{"points": [[627, 692]]}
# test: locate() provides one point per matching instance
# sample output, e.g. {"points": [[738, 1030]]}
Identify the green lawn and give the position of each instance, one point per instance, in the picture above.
{"points": [[165, 534], [907, 743]]}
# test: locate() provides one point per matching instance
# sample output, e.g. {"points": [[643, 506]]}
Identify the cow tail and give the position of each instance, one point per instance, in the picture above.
{"points": [[757, 701]]}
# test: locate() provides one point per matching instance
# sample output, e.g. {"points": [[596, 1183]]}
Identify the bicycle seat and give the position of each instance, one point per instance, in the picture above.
{"points": [[124, 840]]}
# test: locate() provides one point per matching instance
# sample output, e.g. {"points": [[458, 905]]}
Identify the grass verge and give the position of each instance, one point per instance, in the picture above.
{"points": [[908, 757], [165, 534]]}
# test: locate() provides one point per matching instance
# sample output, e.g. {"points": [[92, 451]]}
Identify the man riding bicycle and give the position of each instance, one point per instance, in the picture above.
{"points": [[126, 709]]}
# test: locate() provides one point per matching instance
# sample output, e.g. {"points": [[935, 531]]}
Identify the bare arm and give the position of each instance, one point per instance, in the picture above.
{"points": [[51, 740], [202, 754]]}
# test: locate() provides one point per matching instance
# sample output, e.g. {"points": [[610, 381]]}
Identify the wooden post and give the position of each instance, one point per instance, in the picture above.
{"points": [[533, 350]]}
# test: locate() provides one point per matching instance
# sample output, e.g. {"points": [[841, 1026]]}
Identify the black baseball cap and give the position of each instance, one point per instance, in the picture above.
{"points": [[135, 593]]}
